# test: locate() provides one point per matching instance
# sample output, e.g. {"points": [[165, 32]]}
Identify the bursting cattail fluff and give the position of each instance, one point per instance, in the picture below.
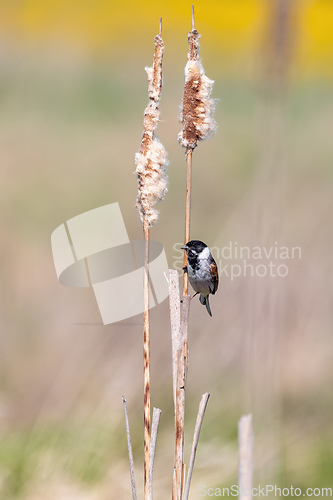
{"points": [[151, 159], [197, 107]]}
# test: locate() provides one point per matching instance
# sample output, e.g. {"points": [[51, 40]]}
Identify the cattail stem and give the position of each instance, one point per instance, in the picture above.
{"points": [[180, 397], [198, 123], [187, 211], [152, 183], [174, 298], [146, 357]]}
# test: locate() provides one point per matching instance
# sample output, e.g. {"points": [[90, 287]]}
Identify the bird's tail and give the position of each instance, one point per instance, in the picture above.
{"points": [[205, 302]]}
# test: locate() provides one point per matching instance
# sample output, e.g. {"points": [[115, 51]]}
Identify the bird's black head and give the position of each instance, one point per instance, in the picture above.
{"points": [[194, 247]]}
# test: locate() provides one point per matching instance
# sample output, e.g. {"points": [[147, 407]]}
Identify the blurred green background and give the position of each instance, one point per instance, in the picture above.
{"points": [[72, 94]]}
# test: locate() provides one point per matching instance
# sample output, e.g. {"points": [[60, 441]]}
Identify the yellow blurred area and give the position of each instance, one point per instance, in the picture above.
{"points": [[316, 37], [97, 25]]}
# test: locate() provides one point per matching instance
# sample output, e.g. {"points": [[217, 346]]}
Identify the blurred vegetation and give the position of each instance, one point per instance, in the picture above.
{"points": [[72, 93]]}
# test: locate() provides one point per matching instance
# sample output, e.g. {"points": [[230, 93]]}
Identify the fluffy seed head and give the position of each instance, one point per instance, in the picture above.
{"points": [[151, 159], [197, 107]]}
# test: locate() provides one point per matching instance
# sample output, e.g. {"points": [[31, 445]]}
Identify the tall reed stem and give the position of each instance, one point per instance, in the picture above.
{"points": [[187, 211], [151, 162], [146, 356], [197, 120]]}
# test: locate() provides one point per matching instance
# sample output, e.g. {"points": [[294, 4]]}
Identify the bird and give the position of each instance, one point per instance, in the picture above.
{"points": [[202, 271]]}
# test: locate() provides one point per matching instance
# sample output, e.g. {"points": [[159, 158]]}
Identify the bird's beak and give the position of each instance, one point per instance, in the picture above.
{"points": [[184, 247]]}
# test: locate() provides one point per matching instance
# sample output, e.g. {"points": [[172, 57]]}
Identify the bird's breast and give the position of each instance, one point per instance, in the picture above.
{"points": [[199, 279]]}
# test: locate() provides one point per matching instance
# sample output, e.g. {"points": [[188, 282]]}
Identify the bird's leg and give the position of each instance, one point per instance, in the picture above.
{"points": [[194, 295]]}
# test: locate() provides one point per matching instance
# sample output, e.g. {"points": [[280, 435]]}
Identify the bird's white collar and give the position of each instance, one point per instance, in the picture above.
{"points": [[204, 255]]}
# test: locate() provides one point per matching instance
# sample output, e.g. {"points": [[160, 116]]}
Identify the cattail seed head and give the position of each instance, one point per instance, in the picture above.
{"points": [[151, 159], [197, 107]]}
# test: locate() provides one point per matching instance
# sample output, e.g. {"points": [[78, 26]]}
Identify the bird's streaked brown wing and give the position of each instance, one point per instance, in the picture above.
{"points": [[215, 276]]}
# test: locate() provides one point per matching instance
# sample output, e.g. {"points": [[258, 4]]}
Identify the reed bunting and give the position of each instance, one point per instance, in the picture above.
{"points": [[202, 271]]}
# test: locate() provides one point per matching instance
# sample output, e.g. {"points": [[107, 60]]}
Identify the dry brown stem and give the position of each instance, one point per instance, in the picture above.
{"points": [[180, 397], [146, 357], [174, 300], [187, 212]]}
